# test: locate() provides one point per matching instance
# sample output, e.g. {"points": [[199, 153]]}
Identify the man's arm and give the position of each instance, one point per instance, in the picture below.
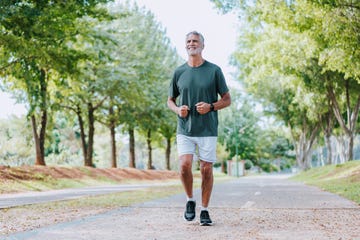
{"points": [[223, 102], [204, 108], [182, 111]]}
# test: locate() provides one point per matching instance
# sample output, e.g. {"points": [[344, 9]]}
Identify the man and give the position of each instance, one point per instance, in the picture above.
{"points": [[197, 83]]}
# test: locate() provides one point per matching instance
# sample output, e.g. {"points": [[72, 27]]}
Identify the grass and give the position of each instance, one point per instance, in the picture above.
{"points": [[113, 200], [45, 183], [107, 201], [44, 214], [48, 183], [33, 216], [341, 179]]}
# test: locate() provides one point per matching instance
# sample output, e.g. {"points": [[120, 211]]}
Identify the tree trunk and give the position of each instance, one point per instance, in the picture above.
{"points": [[91, 132], [168, 152], [302, 153], [223, 166], [43, 109], [342, 145], [304, 146], [42, 135], [40, 139], [39, 159], [113, 147], [148, 140], [350, 151], [112, 138], [352, 116], [82, 133], [131, 148], [329, 158], [329, 123]]}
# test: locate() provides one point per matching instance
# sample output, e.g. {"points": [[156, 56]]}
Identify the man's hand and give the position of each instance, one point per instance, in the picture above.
{"points": [[202, 107], [183, 111]]}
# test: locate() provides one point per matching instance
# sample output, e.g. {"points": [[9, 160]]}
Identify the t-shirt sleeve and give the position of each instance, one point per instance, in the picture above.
{"points": [[221, 83], [173, 88]]}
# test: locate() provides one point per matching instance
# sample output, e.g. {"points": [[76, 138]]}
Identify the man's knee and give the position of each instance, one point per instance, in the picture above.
{"points": [[185, 164], [185, 168], [206, 168]]}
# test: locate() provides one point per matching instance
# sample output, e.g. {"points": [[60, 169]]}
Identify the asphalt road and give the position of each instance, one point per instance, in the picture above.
{"points": [[266, 207], [20, 199]]}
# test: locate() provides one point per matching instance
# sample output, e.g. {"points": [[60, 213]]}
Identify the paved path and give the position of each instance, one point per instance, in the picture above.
{"points": [[269, 207], [20, 199]]}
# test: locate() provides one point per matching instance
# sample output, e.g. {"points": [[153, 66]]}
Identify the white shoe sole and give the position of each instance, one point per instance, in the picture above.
{"points": [[206, 224], [188, 219]]}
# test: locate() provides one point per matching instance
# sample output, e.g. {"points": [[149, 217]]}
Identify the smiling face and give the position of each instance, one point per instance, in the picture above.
{"points": [[194, 45]]}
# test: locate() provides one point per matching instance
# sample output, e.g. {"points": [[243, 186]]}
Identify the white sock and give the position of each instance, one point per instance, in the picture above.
{"points": [[204, 208], [190, 199]]}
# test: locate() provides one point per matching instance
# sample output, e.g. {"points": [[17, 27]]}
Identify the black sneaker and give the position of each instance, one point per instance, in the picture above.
{"points": [[205, 218], [189, 213]]}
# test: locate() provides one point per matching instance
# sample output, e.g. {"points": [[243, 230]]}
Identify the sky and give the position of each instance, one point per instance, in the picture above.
{"points": [[178, 17]]}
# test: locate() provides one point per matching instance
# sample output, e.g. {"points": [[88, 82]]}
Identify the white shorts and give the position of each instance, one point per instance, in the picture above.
{"points": [[206, 147]]}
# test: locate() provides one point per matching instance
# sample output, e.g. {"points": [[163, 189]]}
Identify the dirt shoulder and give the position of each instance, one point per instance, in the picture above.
{"points": [[42, 178]]}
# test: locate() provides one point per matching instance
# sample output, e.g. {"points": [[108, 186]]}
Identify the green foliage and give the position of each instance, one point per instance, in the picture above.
{"points": [[37, 53], [238, 129], [255, 136], [115, 61], [295, 57], [275, 145], [268, 166], [86, 62], [15, 142], [248, 164]]}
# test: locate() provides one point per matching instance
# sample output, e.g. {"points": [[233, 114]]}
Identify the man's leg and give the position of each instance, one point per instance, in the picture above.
{"points": [[186, 175], [207, 182], [207, 177]]}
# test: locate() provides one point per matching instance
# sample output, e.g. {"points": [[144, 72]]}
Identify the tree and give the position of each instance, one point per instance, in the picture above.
{"points": [[168, 131], [238, 129], [152, 59], [293, 42], [35, 52], [334, 28], [85, 92], [269, 71]]}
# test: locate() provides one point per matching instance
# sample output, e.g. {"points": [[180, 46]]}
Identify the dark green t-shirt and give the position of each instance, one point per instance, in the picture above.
{"points": [[191, 85]]}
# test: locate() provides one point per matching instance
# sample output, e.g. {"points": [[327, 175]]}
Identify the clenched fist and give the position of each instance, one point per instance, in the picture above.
{"points": [[202, 107], [183, 111]]}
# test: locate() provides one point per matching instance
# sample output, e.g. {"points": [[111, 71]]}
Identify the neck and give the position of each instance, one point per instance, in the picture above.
{"points": [[195, 61]]}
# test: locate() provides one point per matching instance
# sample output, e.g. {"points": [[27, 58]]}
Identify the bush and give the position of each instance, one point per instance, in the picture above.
{"points": [[268, 167], [248, 164]]}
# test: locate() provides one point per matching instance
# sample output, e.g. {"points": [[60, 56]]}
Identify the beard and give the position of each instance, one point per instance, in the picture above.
{"points": [[193, 52]]}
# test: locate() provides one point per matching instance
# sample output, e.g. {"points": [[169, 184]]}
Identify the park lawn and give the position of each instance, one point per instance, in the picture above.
{"points": [[342, 179]]}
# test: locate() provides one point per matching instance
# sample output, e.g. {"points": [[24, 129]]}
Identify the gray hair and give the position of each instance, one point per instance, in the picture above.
{"points": [[197, 34]]}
